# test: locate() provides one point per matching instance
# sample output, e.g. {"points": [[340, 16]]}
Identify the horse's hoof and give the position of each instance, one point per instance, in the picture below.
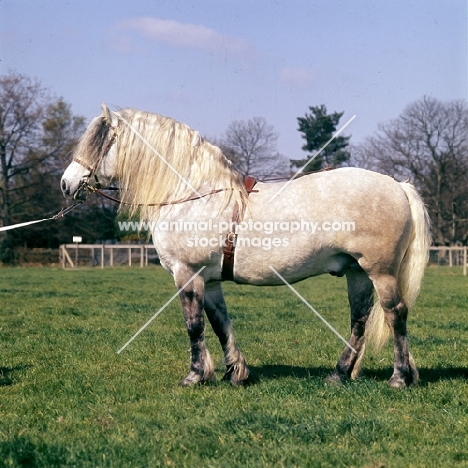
{"points": [[188, 382], [195, 379], [235, 382], [397, 382], [237, 376], [336, 379]]}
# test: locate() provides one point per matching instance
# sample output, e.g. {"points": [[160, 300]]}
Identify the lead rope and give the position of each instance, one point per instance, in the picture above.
{"points": [[59, 215]]}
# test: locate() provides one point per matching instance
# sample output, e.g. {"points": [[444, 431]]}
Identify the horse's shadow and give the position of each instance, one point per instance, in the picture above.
{"points": [[426, 375], [274, 372], [6, 372]]}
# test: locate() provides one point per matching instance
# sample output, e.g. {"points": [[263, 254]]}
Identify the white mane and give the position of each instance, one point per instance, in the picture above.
{"points": [[159, 160]]}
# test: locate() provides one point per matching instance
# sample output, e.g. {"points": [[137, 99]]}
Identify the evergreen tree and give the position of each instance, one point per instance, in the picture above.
{"points": [[318, 128]]}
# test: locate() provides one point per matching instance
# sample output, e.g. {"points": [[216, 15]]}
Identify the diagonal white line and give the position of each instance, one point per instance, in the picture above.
{"points": [[15, 226], [313, 157], [152, 148], [312, 309], [160, 310]]}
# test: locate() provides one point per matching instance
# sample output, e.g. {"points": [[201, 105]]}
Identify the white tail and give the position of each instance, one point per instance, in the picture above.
{"points": [[411, 269]]}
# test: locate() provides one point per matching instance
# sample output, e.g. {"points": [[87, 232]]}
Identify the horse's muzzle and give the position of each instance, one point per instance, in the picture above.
{"points": [[82, 191]]}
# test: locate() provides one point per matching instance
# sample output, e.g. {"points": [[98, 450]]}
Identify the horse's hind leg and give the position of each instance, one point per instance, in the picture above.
{"points": [[215, 306], [396, 313], [360, 296], [201, 367]]}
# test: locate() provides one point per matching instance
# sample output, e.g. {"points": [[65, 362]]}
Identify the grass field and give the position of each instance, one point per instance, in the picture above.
{"points": [[67, 399]]}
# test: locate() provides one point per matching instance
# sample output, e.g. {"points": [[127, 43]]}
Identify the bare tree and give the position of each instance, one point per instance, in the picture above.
{"points": [[427, 144], [252, 148], [21, 114], [35, 133]]}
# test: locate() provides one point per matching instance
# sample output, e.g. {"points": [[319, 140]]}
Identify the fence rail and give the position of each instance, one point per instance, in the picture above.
{"points": [[75, 255], [449, 256], [102, 255]]}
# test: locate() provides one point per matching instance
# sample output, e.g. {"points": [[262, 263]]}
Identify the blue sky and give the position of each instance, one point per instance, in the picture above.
{"points": [[207, 63]]}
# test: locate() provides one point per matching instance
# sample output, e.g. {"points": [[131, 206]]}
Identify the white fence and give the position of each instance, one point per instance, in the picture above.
{"points": [[73, 255], [449, 256], [77, 255]]}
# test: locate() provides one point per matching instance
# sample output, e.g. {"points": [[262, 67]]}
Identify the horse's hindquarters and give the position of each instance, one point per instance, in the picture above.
{"points": [[323, 223]]}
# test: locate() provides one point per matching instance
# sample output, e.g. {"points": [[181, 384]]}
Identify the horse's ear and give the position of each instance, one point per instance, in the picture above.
{"points": [[106, 113]]}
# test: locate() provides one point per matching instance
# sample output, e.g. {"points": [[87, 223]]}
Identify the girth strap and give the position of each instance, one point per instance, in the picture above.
{"points": [[227, 271]]}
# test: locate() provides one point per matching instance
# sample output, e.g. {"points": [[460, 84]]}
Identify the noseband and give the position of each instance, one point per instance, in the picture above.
{"points": [[85, 186]]}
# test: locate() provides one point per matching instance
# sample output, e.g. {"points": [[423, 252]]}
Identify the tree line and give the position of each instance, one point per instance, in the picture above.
{"points": [[37, 135], [427, 144]]}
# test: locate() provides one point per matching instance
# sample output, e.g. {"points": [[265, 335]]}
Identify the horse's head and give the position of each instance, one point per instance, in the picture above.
{"points": [[93, 158]]}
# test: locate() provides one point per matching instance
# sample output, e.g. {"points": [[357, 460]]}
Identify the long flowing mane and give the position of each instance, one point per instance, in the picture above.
{"points": [[160, 160]]}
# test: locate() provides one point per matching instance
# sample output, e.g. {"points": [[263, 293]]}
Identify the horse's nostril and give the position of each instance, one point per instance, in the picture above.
{"points": [[64, 188]]}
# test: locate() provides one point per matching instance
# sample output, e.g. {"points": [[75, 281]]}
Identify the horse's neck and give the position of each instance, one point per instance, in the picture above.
{"points": [[204, 203]]}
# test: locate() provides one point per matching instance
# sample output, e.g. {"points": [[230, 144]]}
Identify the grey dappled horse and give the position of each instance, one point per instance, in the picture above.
{"points": [[169, 174]]}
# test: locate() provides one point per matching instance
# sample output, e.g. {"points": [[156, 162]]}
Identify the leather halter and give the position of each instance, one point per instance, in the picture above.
{"points": [[227, 271], [84, 184]]}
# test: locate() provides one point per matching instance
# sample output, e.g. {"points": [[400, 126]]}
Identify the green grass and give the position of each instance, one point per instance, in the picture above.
{"points": [[67, 399]]}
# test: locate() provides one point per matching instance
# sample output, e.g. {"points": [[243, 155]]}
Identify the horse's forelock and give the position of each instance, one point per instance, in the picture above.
{"points": [[99, 134], [91, 143]]}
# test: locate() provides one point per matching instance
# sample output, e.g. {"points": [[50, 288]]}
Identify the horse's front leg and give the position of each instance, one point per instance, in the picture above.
{"points": [[192, 298], [237, 371]]}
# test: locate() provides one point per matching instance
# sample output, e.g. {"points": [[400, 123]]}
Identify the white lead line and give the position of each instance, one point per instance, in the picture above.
{"points": [[312, 158], [312, 309], [28, 223], [160, 310]]}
